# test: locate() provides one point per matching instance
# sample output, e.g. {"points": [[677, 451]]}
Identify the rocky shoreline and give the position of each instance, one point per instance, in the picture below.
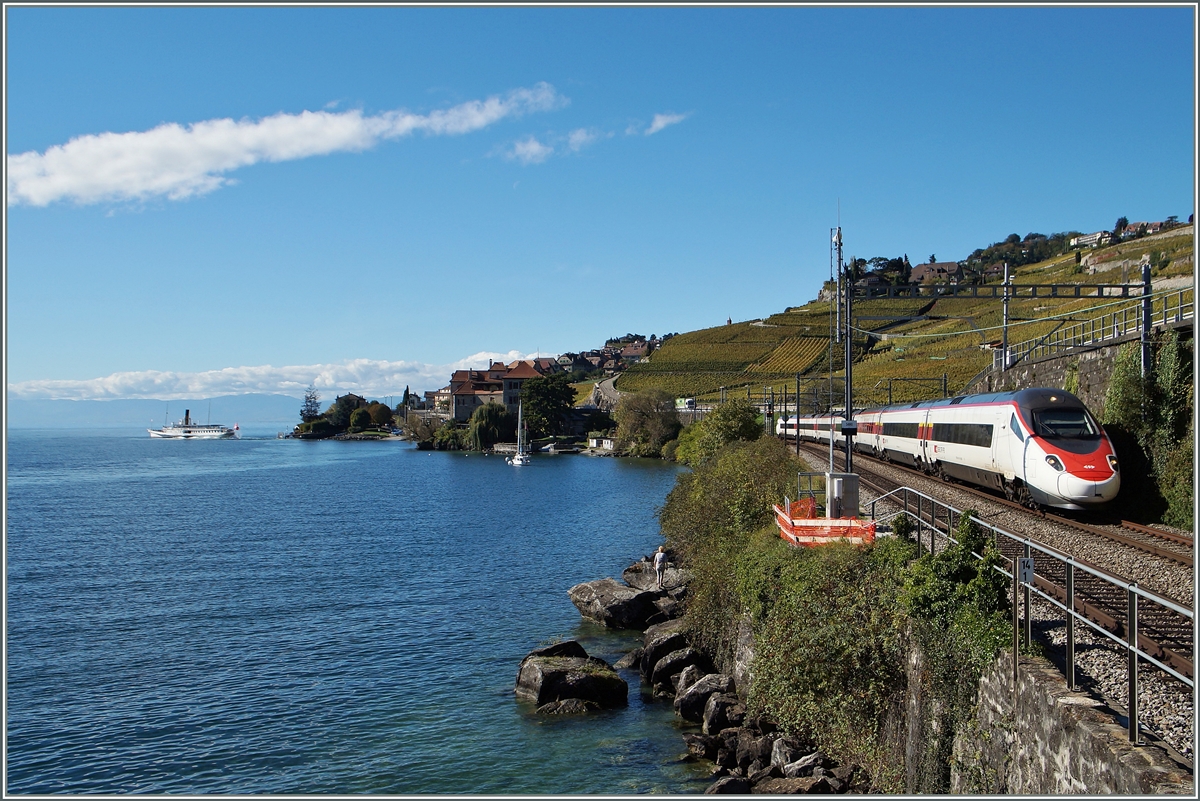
{"points": [[747, 755]]}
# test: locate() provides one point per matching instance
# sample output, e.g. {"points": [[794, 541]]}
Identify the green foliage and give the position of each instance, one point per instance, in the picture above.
{"points": [[449, 438], [489, 424], [646, 421], [381, 414], [1149, 422], [832, 624], [546, 401], [360, 419], [830, 645], [338, 413], [1128, 394], [420, 428], [1177, 485], [316, 429], [736, 419], [708, 518], [311, 409], [1071, 377], [957, 603]]}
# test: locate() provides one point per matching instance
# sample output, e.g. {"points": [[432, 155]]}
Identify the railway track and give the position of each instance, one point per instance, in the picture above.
{"points": [[1162, 632], [1173, 553]]}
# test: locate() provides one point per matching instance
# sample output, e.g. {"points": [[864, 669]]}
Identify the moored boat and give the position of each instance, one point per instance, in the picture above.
{"points": [[521, 457]]}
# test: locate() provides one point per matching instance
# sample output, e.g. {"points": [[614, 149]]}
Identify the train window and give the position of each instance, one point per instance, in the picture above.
{"points": [[900, 430], [1065, 423], [1016, 427], [977, 434]]}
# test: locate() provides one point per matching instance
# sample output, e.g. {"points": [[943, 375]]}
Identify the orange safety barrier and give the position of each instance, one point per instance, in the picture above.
{"points": [[805, 508], [807, 531]]}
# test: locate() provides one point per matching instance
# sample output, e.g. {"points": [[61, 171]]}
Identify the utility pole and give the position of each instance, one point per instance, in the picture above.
{"points": [[849, 416], [1147, 319], [837, 284], [1004, 344], [798, 414]]}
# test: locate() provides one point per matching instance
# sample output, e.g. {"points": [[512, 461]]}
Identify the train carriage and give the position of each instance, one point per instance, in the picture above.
{"points": [[1040, 446]]}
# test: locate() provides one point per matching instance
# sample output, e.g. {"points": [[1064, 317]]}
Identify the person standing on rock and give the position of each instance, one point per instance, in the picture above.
{"points": [[660, 564]]}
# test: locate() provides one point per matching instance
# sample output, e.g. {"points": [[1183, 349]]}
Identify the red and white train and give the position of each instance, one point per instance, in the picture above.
{"points": [[1038, 446]]}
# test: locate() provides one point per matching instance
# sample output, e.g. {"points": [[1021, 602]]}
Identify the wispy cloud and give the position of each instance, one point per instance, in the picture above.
{"points": [[532, 150], [580, 138], [181, 161], [367, 377], [529, 151], [661, 121]]}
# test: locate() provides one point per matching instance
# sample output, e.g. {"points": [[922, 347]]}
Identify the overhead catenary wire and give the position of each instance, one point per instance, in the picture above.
{"points": [[1011, 324]]}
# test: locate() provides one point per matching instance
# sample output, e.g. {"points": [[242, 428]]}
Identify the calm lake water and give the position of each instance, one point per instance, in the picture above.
{"points": [[277, 616]]}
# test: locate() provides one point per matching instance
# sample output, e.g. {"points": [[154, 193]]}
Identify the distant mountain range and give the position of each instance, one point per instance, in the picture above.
{"points": [[227, 410]]}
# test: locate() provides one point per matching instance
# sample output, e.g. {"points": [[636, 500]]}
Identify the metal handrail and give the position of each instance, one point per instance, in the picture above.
{"points": [[1126, 321], [1133, 592]]}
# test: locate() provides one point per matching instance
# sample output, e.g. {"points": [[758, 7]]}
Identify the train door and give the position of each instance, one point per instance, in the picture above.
{"points": [[1014, 442]]}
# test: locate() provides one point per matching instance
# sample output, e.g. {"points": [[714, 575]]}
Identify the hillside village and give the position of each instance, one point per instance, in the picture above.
{"points": [[501, 383]]}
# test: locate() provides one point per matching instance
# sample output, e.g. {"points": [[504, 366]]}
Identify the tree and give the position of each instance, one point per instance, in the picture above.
{"points": [[381, 414], [546, 401], [311, 409], [646, 421], [1122, 224], [360, 419], [420, 428], [404, 401], [489, 424], [734, 420]]}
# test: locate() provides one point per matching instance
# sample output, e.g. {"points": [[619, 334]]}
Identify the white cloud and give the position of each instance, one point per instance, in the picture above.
{"points": [[580, 138], [529, 151], [178, 161], [367, 377], [661, 121]]}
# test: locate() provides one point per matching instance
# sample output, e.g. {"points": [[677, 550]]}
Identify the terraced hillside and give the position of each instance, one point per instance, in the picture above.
{"points": [[947, 337]]}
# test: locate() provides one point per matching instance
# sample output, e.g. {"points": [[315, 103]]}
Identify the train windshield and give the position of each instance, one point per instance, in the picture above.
{"points": [[1065, 423]]}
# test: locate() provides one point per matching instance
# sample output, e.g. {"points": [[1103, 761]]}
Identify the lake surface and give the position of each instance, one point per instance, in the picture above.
{"points": [[278, 616]]}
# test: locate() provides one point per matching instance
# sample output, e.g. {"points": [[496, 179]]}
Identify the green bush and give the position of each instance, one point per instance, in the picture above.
{"points": [[736, 419], [708, 519]]}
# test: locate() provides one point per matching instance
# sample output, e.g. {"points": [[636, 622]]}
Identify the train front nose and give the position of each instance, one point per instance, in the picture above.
{"points": [[1088, 490]]}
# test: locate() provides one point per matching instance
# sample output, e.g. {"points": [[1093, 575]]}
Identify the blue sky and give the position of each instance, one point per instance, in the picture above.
{"points": [[207, 201]]}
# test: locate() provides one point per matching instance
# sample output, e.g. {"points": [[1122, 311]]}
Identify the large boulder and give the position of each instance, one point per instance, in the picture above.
{"points": [[631, 660], [722, 712], [672, 665], [565, 671], [809, 786], [690, 675], [805, 766], [729, 785], [787, 749], [702, 746], [660, 640], [753, 749], [691, 701], [612, 604]]}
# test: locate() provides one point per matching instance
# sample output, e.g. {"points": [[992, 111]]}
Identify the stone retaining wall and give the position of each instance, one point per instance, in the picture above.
{"points": [[1056, 742], [1093, 369]]}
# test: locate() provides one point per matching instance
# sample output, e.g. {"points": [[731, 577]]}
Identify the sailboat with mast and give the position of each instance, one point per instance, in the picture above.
{"points": [[521, 457]]}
